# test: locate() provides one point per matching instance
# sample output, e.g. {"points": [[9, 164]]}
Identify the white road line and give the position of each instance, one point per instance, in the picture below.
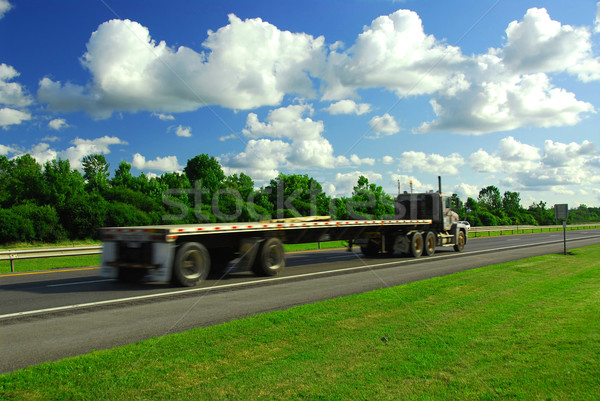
{"points": [[80, 282], [268, 280]]}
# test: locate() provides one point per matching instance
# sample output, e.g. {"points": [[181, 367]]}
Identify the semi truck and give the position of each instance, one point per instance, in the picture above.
{"points": [[186, 254]]}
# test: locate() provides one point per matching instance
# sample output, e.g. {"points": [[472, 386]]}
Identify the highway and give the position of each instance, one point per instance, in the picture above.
{"points": [[52, 315]]}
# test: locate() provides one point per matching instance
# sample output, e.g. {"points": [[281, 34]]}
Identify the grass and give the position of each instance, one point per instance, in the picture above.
{"points": [[492, 233], [525, 330]]}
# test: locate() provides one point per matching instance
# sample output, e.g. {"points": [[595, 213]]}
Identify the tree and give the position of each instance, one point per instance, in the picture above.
{"points": [[95, 171], [369, 201], [61, 181], [21, 181], [296, 195], [511, 202], [204, 171], [489, 197]]}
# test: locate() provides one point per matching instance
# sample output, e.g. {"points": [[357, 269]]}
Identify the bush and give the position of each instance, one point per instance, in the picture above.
{"points": [[45, 221], [14, 227]]}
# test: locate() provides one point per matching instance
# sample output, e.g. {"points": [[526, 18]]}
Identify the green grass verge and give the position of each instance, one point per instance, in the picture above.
{"points": [[520, 231], [525, 330], [27, 265]]}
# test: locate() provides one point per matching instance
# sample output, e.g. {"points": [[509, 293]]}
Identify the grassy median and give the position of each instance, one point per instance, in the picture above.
{"points": [[523, 330]]}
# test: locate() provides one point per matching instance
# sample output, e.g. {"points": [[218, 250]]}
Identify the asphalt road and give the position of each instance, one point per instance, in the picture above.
{"points": [[50, 316]]}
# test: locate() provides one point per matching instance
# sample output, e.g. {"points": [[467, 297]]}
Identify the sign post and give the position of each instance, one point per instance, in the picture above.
{"points": [[561, 212]]}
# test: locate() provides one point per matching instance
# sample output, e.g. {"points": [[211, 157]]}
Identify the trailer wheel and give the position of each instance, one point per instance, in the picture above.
{"points": [[416, 245], [270, 259], [430, 242], [130, 274], [370, 250], [192, 264], [460, 241]]}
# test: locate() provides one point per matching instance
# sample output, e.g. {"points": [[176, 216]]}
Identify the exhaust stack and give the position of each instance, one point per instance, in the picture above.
{"points": [[440, 184]]}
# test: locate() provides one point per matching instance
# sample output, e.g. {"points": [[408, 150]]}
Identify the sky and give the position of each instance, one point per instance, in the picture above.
{"points": [[502, 92]]}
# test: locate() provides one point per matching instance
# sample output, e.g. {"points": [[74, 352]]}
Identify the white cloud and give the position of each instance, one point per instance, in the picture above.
{"points": [[556, 166], [482, 162], [395, 53], [166, 164], [505, 104], [384, 125], [163, 117], [12, 93], [465, 191], [5, 150], [347, 106], [81, 147], [58, 124], [12, 117], [358, 161], [432, 163], [308, 147], [5, 7], [540, 44], [247, 64], [50, 139], [387, 160], [183, 131], [406, 181], [84, 147], [261, 159], [227, 137], [344, 182]]}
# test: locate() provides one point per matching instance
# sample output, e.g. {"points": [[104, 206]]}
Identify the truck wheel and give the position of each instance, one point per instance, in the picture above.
{"points": [[192, 264], [370, 250], [131, 275], [416, 245], [460, 241], [430, 241], [270, 259]]}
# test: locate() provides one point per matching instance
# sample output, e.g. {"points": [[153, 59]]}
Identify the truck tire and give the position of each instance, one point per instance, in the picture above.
{"points": [[370, 250], [192, 264], [461, 240], [416, 245], [270, 259], [131, 274], [430, 242]]}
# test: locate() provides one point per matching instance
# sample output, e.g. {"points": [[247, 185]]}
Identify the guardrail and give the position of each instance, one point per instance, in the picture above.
{"points": [[13, 255], [523, 229]]}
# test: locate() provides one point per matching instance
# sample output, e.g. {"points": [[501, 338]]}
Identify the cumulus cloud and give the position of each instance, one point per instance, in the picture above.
{"points": [[247, 64], [465, 191], [384, 125], [308, 147], [164, 117], [540, 44], [393, 52], [509, 88], [5, 150], [432, 163], [58, 124], [12, 117], [553, 167], [387, 160], [261, 159], [344, 182], [42, 151], [347, 106], [5, 7], [164, 164], [183, 131]]}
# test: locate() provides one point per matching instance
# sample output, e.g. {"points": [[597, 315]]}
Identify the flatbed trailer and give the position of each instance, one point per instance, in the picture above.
{"points": [[185, 254]]}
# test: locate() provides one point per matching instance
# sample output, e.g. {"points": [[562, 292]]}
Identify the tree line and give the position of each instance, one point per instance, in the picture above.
{"points": [[54, 202]]}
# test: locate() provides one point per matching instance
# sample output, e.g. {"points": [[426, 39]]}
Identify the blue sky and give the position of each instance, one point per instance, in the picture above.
{"points": [[501, 93]]}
